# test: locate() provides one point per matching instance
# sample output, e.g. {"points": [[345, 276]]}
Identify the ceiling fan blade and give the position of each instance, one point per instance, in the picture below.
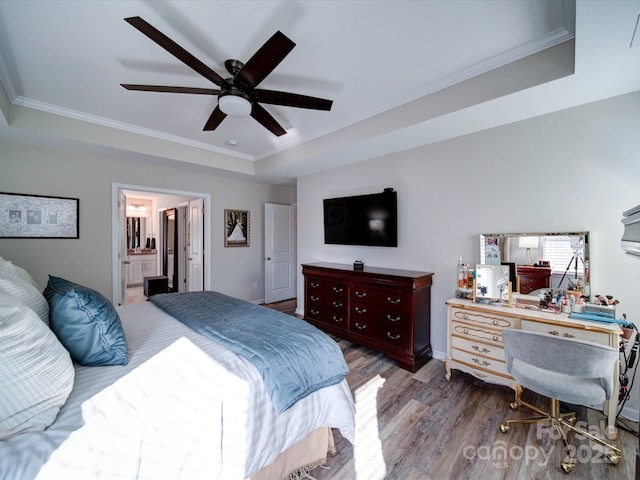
{"points": [[287, 99], [174, 49], [216, 118], [164, 88], [266, 120], [263, 62]]}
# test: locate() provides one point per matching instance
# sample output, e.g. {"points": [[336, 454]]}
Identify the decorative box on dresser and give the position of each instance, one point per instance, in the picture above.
{"points": [[384, 309], [533, 278], [474, 344]]}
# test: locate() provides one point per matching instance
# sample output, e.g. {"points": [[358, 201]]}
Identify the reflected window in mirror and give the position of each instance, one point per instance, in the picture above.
{"points": [[492, 283], [564, 255]]}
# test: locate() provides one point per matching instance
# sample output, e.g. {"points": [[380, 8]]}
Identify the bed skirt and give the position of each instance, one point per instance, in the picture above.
{"points": [[297, 461]]}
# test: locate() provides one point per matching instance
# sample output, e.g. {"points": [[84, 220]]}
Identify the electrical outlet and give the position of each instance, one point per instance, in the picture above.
{"points": [[255, 285]]}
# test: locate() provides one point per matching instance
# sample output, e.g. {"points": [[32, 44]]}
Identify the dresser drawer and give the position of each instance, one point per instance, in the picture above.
{"points": [[388, 334], [388, 317], [478, 348], [474, 333], [478, 361], [485, 319], [567, 332], [380, 297]]}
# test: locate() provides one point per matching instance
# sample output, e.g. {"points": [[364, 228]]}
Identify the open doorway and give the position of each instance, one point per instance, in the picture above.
{"points": [[140, 243]]}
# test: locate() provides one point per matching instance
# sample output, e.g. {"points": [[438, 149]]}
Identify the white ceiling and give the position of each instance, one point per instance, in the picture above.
{"points": [[387, 66]]}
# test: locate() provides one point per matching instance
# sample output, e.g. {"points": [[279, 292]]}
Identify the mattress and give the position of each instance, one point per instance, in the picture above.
{"points": [[66, 447]]}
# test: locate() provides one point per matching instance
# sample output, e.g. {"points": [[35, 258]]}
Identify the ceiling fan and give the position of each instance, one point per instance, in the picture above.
{"points": [[237, 95]]}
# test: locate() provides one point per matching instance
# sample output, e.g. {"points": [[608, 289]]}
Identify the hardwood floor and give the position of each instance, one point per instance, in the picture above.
{"points": [[419, 426], [431, 428]]}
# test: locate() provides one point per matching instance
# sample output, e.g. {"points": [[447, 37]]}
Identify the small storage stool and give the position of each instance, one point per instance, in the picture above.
{"points": [[155, 285]]}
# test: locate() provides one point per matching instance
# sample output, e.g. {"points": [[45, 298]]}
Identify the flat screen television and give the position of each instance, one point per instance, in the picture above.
{"points": [[370, 220]]}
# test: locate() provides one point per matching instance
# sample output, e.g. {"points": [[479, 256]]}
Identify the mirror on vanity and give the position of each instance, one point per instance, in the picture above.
{"points": [[492, 283], [558, 260]]}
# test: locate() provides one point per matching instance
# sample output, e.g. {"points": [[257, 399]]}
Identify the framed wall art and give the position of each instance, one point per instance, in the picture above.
{"points": [[236, 233], [38, 216]]}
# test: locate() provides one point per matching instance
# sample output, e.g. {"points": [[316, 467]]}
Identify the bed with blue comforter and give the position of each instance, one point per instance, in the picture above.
{"points": [[214, 387]]}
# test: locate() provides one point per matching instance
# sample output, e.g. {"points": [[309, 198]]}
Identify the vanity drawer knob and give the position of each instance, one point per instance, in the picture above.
{"points": [[482, 363], [495, 322], [393, 337], [496, 338], [478, 349], [465, 331]]}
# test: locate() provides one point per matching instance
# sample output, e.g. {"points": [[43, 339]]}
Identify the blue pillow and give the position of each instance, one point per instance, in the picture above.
{"points": [[86, 323]]}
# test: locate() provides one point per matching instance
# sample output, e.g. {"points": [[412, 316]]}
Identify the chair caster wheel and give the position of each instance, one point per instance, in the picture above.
{"points": [[614, 458], [504, 427], [568, 466], [514, 405]]}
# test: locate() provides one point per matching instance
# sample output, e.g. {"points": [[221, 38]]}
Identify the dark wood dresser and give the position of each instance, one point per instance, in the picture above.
{"points": [[384, 309], [533, 278]]}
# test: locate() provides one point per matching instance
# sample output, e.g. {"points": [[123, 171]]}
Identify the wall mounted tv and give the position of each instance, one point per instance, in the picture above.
{"points": [[370, 220]]}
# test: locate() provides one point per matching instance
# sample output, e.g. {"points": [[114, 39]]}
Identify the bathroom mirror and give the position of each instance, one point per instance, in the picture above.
{"points": [[492, 283], [136, 232], [565, 255]]}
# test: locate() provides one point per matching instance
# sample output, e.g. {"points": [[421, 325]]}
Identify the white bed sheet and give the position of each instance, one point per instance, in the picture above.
{"points": [[149, 331]]}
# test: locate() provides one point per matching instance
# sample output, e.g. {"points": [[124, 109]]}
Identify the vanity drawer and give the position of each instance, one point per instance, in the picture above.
{"points": [[487, 319], [478, 361], [567, 332], [474, 333], [478, 348]]}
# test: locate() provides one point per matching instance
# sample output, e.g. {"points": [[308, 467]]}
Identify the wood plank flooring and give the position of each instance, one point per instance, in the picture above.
{"points": [[426, 427], [419, 426]]}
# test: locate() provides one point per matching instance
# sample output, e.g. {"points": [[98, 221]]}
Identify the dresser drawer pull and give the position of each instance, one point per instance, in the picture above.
{"points": [[314, 298], [393, 337], [361, 294], [395, 319], [483, 350], [337, 304], [314, 284], [360, 310], [314, 312], [337, 319], [482, 363], [338, 289], [568, 335], [360, 327], [393, 300], [554, 332]]}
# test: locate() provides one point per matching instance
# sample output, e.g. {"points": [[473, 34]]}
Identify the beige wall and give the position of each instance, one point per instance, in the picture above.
{"points": [[89, 177], [569, 171]]}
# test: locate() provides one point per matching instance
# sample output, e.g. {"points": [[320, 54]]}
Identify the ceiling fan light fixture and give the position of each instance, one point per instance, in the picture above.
{"points": [[234, 105]]}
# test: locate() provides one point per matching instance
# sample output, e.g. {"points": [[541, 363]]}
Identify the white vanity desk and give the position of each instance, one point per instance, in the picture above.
{"points": [[474, 341]]}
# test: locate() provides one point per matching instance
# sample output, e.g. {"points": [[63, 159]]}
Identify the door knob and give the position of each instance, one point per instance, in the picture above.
{"points": [[268, 258]]}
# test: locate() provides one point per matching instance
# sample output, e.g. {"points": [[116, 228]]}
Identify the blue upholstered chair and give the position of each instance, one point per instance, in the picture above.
{"points": [[564, 370]]}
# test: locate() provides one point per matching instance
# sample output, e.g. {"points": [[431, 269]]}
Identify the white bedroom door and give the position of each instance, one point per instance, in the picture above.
{"points": [[195, 246], [279, 253], [123, 258]]}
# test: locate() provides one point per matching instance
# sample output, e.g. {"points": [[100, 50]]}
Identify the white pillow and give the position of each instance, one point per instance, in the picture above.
{"points": [[13, 284], [36, 372]]}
